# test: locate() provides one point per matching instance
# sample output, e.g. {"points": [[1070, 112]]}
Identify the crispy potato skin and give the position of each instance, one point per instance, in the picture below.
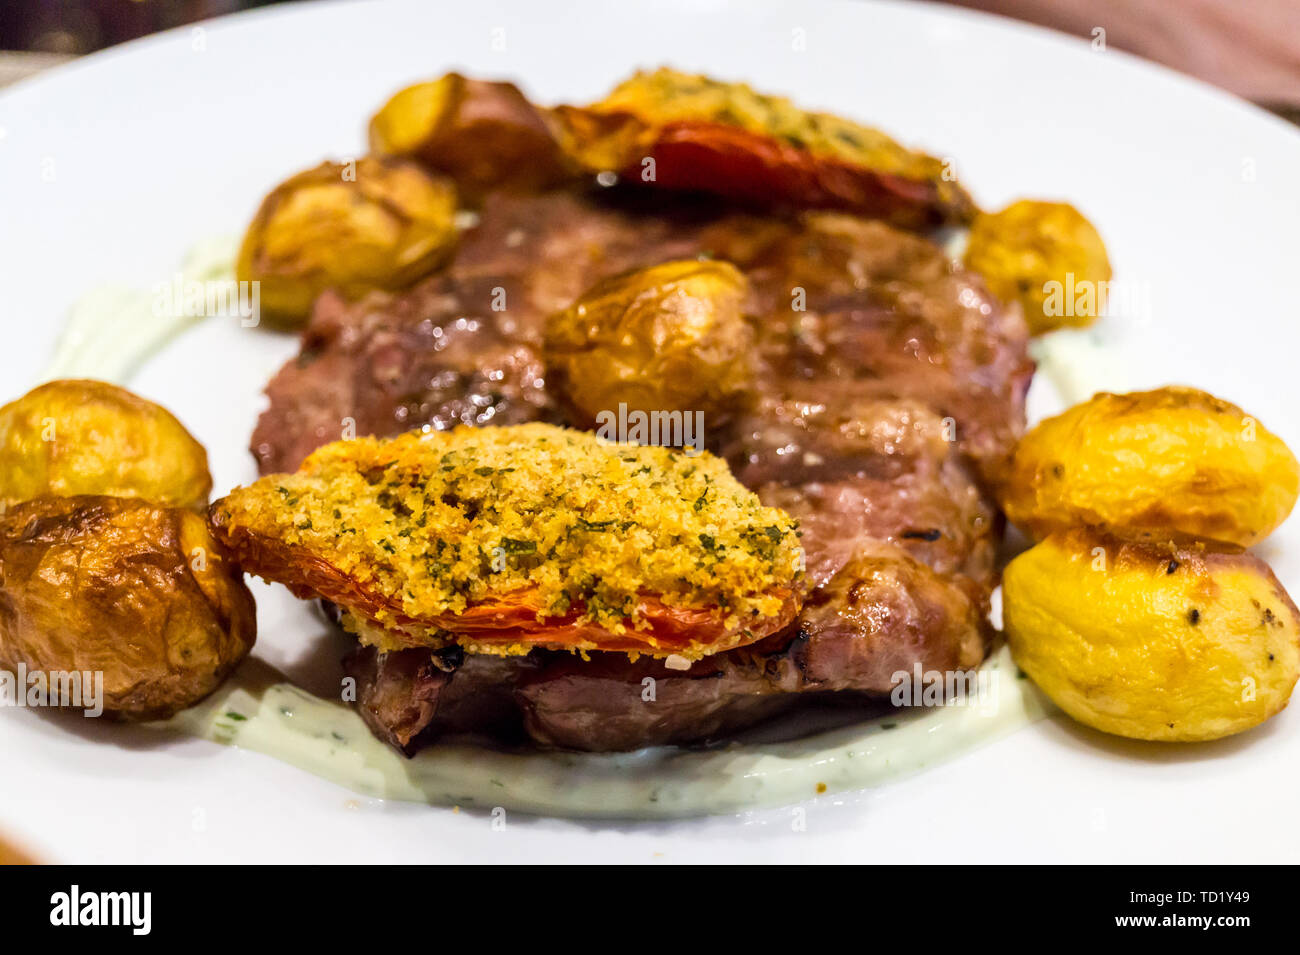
{"points": [[1030, 244], [77, 436], [385, 227], [671, 337], [1152, 640], [483, 135], [1173, 459], [727, 139], [140, 592]]}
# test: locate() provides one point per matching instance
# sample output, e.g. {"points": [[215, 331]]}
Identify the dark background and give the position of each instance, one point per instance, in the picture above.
{"points": [[80, 26]]}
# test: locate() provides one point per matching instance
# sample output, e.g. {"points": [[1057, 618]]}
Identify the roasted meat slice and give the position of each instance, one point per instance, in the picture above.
{"points": [[884, 613], [397, 693], [409, 697], [382, 371], [850, 469], [853, 310], [610, 704], [939, 519]]}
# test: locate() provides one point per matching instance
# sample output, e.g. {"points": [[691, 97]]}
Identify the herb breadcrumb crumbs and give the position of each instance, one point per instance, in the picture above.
{"points": [[666, 96], [439, 523]]}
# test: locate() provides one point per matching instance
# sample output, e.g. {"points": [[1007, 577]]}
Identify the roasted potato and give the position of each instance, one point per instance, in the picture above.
{"points": [[380, 223], [76, 436], [1152, 639], [504, 539], [482, 135], [668, 338], [1173, 459], [1047, 257], [137, 591], [679, 131]]}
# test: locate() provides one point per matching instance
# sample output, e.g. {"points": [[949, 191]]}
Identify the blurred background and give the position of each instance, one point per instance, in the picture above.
{"points": [[1249, 47], [80, 26]]}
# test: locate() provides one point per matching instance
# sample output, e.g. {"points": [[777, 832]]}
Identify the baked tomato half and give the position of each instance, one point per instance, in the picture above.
{"points": [[678, 131], [500, 540]]}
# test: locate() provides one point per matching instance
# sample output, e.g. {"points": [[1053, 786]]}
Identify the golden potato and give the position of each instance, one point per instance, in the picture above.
{"points": [[1047, 257], [672, 337], [381, 223], [1173, 459], [139, 592], [76, 436], [483, 135], [1149, 639]]}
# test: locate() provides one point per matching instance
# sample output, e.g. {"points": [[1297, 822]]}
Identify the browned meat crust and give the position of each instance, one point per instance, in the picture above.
{"points": [[397, 693], [854, 310], [408, 697], [610, 704], [857, 469]]}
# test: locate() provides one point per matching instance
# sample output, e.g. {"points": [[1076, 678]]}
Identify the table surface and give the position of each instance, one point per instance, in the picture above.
{"points": [[17, 66]]}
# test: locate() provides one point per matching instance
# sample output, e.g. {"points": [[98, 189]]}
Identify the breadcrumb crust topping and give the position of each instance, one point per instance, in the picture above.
{"points": [[445, 520], [667, 95]]}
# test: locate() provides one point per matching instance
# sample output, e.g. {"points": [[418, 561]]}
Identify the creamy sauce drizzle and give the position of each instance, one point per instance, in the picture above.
{"points": [[1079, 362], [112, 331], [257, 709]]}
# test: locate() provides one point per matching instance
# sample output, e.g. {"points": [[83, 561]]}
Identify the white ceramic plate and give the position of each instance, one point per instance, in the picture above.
{"points": [[111, 168]]}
